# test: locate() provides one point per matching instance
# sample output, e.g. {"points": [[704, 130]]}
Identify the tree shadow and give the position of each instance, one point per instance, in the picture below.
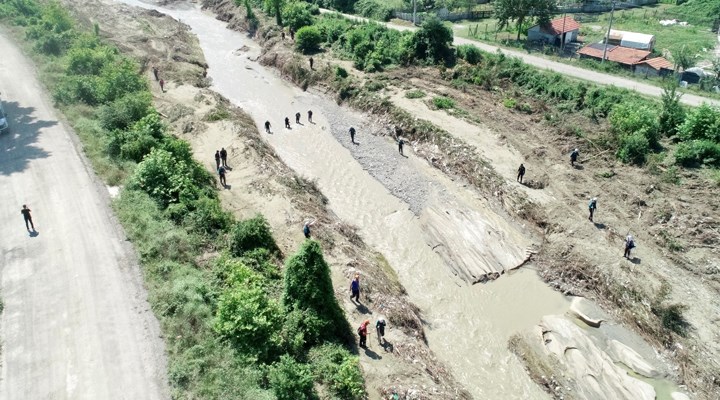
{"points": [[19, 146]]}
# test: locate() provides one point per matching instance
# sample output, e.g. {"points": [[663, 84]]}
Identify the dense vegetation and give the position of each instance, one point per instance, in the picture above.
{"points": [[236, 326]]}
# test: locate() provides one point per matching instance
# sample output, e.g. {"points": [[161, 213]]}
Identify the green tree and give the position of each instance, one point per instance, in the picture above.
{"points": [[308, 288], [701, 123], [296, 15], [164, 178], [251, 234], [632, 117], [673, 113], [275, 7], [520, 10], [308, 39], [432, 42], [683, 57]]}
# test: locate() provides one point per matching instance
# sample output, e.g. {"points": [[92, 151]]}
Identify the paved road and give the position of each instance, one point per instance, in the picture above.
{"points": [[76, 323], [565, 69]]}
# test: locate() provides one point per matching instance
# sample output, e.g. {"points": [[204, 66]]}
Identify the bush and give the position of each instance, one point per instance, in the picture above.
{"points": [[252, 234], [469, 53], [443, 103], [634, 149], [339, 369], [308, 39], [164, 178], [125, 111], [702, 123], [208, 217], [698, 152], [628, 118], [249, 320], [673, 113], [431, 43], [308, 288], [296, 15], [291, 380], [375, 9], [414, 94]]}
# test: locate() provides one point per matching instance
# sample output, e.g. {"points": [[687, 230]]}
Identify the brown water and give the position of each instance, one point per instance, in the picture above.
{"points": [[467, 325]]}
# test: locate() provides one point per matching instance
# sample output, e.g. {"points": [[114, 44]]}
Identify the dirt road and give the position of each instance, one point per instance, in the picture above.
{"points": [[564, 69], [76, 323]]}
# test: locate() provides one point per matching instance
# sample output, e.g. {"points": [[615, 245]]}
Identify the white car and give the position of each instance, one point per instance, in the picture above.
{"points": [[4, 127]]}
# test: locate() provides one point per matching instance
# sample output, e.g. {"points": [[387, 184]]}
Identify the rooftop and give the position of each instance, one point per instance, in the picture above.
{"points": [[658, 63], [560, 25], [618, 54]]}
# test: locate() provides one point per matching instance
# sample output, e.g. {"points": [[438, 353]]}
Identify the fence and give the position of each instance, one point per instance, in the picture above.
{"points": [[444, 15]]}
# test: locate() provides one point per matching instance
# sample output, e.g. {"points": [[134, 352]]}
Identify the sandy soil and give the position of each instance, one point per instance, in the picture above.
{"points": [[76, 323]]}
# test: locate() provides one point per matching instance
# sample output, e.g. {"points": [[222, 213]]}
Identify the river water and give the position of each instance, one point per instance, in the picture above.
{"points": [[467, 325]]}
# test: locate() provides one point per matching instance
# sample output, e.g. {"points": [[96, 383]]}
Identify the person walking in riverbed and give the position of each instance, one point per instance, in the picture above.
{"points": [[380, 328], [25, 211], [155, 73], [297, 118], [355, 288], [162, 85], [287, 123], [223, 157], [363, 332], [310, 116], [352, 135], [574, 156], [267, 127], [521, 173], [311, 63], [401, 143], [217, 159]]}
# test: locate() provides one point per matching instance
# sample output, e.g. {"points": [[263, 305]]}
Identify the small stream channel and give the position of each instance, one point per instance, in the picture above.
{"points": [[467, 325]]}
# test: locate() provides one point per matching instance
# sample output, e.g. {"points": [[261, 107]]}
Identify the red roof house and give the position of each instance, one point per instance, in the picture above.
{"points": [[621, 55], [554, 31]]}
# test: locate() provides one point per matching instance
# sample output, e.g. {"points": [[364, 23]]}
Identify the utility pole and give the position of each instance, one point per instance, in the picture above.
{"points": [[607, 37], [562, 42]]}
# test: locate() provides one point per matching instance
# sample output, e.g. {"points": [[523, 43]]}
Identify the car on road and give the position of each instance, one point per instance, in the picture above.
{"points": [[4, 127]]}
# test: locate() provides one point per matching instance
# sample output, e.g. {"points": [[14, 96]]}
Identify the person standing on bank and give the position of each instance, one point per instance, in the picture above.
{"points": [[310, 116], [155, 73], [162, 85], [401, 143], [629, 245], [25, 211], [306, 228], [380, 328], [267, 126], [287, 123], [363, 332], [221, 172], [297, 118], [592, 206], [352, 135], [217, 159], [521, 173], [574, 156], [355, 288], [311, 63], [223, 157]]}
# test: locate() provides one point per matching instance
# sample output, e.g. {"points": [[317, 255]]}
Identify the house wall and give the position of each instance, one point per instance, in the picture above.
{"points": [[645, 70]]}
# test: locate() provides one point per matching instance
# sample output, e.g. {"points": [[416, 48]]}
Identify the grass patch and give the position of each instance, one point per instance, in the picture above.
{"points": [[443, 103], [415, 94], [219, 113]]}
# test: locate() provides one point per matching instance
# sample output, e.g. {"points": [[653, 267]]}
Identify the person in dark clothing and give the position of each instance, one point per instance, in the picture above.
{"points": [[574, 156], [217, 159], [352, 135], [204, 73], [223, 157], [629, 245], [162, 85], [297, 118], [401, 143], [355, 288], [310, 116], [363, 332], [592, 206], [155, 73], [282, 35], [267, 126], [380, 328], [292, 34], [306, 228], [521, 173], [28, 218], [311, 62], [221, 173], [287, 123]]}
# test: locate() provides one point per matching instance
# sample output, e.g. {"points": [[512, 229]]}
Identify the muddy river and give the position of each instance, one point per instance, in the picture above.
{"points": [[467, 325]]}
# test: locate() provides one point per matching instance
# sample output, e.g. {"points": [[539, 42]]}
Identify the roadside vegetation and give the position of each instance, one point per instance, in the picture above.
{"points": [[236, 324]]}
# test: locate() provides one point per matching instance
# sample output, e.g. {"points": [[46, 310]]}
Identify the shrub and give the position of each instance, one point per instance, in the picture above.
{"points": [[339, 369], [443, 103], [701, 123], [375, 9], [89, 61], [628, 118], [164, 178], [208, 217], [249, 320], [509, 103], [291, 380], [341, 73], [633, 148], [698, 152], [308, 39], [125, 111], [374, 86], [469, 53], [431, 43], [414, 94], [251, 234], [308, 288], [673, 113], [296, 15]]}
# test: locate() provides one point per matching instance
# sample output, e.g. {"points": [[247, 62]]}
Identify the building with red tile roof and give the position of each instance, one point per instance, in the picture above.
{"points": [[657, 66], [554, 31], [621, 55]]}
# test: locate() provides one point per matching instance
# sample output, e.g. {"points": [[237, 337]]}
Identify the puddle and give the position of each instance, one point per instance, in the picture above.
{"points": [[467, 325]]}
